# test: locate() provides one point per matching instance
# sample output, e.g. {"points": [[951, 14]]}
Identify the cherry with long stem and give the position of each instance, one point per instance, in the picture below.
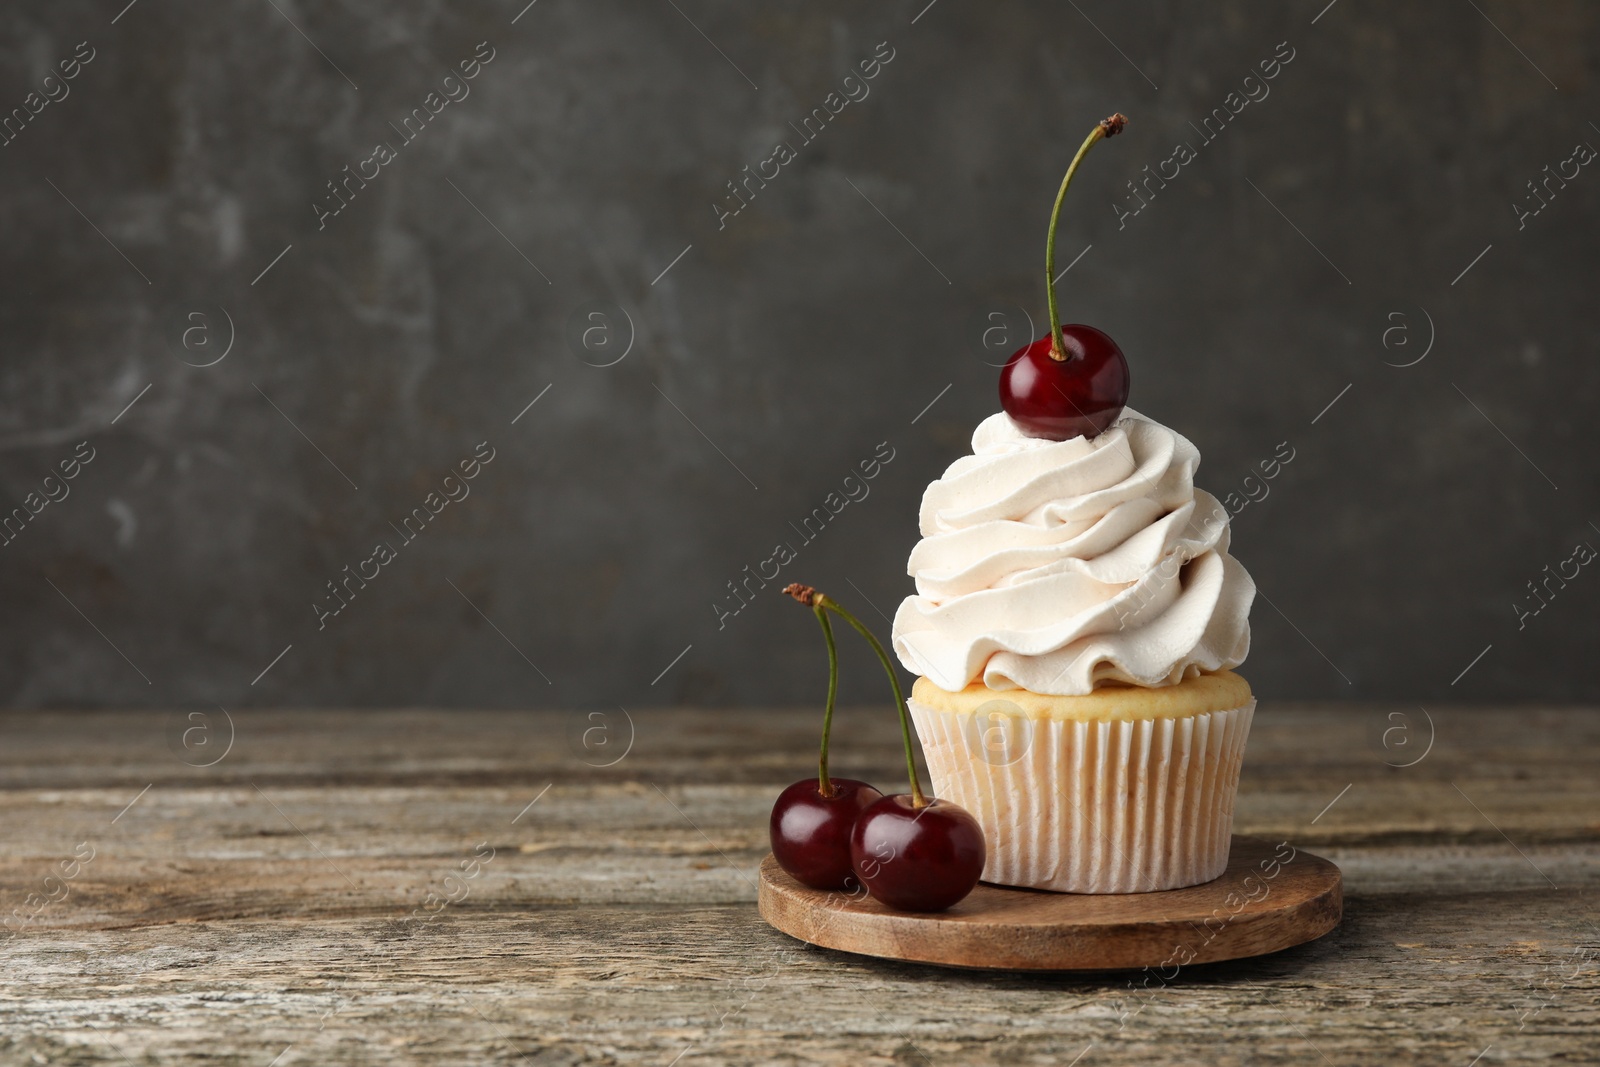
{"points": [[1108, 127], [1073, 381], [812, 820]]}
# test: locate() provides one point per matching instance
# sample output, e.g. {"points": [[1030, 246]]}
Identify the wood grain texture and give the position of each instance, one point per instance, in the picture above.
{"points": [[308, 893], [1268, 899]]}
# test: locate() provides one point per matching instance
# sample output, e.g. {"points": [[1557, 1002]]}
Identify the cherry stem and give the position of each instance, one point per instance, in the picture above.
{"points": [[1109, 127], [823, 601], [824, 783]]}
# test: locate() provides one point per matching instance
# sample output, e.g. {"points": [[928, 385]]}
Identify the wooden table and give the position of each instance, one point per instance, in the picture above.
{"points": [[442, 887]]}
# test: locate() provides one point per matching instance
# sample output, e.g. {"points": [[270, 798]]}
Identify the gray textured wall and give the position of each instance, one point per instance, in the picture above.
{"points": [[141, 209]]}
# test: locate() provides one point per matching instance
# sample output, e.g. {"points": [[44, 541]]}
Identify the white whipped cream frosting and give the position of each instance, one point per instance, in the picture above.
{"points": [[1054, 566]]}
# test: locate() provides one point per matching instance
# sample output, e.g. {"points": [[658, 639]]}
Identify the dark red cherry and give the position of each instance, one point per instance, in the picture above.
{"points": [[811, 832], [1080, 396], [917, 859]]}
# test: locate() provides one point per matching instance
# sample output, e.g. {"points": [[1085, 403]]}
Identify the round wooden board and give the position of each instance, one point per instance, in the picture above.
{"points": [[1269, 898]]}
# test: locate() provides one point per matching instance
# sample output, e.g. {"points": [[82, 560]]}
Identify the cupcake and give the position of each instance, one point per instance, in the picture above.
{"points": [[1075, 625]]}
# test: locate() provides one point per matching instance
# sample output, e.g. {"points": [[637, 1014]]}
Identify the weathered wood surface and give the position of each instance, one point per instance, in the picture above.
{"points": [[276, 907]]}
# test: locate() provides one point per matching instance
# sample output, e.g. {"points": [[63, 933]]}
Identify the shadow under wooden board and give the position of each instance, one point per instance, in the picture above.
{"points": [[1271, 897]]}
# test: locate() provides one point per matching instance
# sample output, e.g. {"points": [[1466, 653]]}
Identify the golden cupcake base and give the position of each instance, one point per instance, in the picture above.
{"points": [[1124, 790]]}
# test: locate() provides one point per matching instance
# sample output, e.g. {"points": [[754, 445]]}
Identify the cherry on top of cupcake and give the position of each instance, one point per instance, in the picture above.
{"points": [[1072, 382]]}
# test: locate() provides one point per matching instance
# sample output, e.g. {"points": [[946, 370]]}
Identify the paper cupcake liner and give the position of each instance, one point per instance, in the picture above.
{"points": [[1091, 806]]}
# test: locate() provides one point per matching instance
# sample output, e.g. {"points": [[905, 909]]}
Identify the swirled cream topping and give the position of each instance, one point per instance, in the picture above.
{"points": [[1053, 566]]}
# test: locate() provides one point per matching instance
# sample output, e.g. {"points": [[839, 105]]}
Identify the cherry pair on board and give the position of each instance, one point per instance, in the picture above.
{"points": [[844, 835]]}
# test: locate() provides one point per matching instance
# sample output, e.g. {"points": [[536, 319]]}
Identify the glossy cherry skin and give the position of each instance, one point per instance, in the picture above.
{"points": [[917, 859], [1057, 399], [811, 832]]}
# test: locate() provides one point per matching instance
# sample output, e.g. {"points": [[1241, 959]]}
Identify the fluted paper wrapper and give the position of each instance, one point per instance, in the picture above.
{"points": [[1091, 806]]}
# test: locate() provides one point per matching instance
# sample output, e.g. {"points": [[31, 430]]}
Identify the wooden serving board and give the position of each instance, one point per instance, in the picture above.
{"points": [[1270, 898]]}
